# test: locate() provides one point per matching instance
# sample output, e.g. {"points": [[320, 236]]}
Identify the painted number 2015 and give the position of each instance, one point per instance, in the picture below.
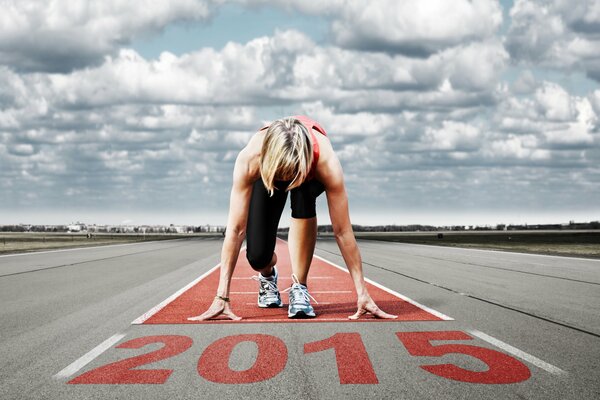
{"points": [[353, 362]]}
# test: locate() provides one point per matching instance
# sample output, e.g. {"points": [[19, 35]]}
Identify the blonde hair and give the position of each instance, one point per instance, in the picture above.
{"points": [[286, 154]]}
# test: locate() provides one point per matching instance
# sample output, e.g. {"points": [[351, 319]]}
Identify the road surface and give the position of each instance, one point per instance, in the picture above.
{"points": [[111, 322]]}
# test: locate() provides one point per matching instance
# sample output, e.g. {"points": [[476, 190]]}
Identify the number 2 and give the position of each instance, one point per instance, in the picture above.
{"points": [[123, 372]]}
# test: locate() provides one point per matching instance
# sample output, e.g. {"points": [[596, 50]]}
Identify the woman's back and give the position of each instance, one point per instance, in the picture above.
{"points": [[320, 144]]}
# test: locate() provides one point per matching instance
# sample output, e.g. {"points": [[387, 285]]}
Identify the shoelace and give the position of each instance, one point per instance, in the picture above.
{"points": [[298, 292], [269, 286]]}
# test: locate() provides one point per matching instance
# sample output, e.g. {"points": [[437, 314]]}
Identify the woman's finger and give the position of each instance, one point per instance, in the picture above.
{"points": [[210, 313], [203, 317], [361, 311], [382, 314], [232, 316], [379, 313], [200, 317]]}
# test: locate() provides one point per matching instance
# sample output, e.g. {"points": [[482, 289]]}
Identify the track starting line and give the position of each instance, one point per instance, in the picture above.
{"points": [[329, 283]]}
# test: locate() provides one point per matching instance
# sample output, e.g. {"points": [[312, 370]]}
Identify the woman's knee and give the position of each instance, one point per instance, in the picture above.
{"points": [[260, 260]]}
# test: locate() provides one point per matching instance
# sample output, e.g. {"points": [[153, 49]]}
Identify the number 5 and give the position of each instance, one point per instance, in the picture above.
{"points": [[502, 368]]}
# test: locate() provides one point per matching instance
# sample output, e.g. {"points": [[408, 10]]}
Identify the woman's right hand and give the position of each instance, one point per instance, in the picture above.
{"points": [[218, 307]]}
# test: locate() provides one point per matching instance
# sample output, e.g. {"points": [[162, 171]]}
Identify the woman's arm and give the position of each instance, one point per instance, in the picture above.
{"points": [[234, 236], [236, 223], [337, 201]]}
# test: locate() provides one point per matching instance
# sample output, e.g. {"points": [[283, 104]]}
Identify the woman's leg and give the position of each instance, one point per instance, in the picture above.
{"points": [[303, 227], [261, 228], [301, 243]]}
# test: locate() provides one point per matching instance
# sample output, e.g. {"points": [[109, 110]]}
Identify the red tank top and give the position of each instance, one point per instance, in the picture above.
{"points": [[309, 123]]}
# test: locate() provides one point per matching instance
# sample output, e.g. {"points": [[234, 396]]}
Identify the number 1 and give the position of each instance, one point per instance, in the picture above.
{"points": [[353, 363]]}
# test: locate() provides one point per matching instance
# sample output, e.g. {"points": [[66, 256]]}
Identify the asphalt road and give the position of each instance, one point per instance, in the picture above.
{"points": [[533, 319]]}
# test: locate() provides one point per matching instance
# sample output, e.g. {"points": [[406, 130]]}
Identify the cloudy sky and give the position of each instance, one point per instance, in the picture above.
{"points": [[442, 112]]}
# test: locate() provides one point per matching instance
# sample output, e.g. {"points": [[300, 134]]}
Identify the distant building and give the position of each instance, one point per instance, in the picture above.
{"points": [[77, 227]]}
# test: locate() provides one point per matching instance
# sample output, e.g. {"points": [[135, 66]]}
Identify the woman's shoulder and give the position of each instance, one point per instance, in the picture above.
{"points": [[328, 161], [325, 148], [250, 154]]}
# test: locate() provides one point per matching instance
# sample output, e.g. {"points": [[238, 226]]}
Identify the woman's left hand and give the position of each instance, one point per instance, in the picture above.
{"points": [[365, 305]]}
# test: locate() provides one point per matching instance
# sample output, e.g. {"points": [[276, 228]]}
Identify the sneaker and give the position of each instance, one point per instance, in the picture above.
{"points": [[299, 303], [268, 294]]}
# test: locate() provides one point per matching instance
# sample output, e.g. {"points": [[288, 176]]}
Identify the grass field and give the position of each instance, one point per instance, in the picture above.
{"points": [[563, 243], [30, 241]]}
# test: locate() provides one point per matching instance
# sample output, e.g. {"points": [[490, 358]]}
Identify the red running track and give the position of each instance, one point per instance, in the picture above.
{"points": [[330, 285]]}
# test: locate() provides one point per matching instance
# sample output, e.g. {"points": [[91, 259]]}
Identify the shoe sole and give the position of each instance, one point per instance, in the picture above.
{"points": [[272, 305], [301, 315]]}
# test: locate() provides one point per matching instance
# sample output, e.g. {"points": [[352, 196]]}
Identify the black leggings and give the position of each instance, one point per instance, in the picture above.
{"points": [[265, 213]]}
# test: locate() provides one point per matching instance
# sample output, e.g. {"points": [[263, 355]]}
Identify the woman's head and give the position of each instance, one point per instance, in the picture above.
{"points": [[286, 154]]}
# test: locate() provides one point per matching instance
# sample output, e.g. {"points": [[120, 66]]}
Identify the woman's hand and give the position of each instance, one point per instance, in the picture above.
{"points": [[366, 304], [218, 307]]}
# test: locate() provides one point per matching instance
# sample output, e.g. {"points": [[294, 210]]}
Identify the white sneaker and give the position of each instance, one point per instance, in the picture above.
{"points": [[268, 294], [299, 300]]}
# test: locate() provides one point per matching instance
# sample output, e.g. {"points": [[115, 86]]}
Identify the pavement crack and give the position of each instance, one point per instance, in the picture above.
{"points": [[511, 270], [505, 269]]}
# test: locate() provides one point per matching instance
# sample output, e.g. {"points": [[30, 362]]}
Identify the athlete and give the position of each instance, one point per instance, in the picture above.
{"points": [[286, 156]]}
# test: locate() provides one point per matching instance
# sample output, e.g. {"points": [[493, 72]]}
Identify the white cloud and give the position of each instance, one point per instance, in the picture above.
{"points": [[557, 118], [287, 67], [22, 149], [415, 27], [554, 102], [238, 73], [470, 67], [525, 83], [476, 66], [427, 120], [341, 124], [556, 33], [452, 136], [61, 35], [579, 129], [594, 98], [411, 27], [516, 147]]}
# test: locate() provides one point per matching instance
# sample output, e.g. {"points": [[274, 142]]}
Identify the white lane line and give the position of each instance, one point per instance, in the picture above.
{"points": [[144, 317], [312, 291], [390, 291], [497, 251], [282, 277], [89, 356], [309, 278], [331, 291], [32, 253], [518, 353], [254, 303], [255, 292]]}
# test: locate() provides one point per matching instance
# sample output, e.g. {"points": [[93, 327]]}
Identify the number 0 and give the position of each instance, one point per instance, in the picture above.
{"points": [[270, 361]]}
